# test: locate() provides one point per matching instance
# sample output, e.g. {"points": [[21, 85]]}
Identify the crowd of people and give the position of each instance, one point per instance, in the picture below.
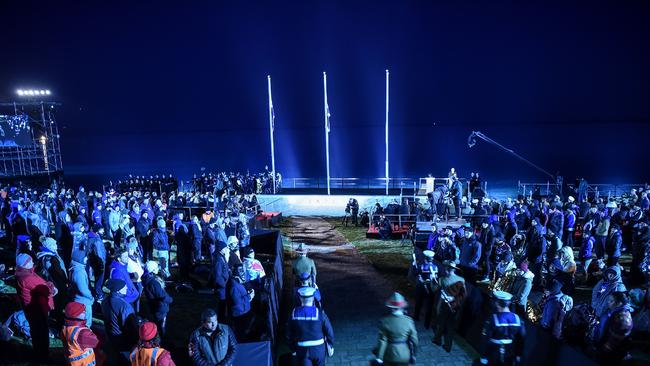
{"points": [[81, 256], [238, 183], [535, 252]]}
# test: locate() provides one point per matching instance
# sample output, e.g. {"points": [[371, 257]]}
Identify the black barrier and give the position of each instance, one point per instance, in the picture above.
{"points": [[541, 347], [268, 246]]}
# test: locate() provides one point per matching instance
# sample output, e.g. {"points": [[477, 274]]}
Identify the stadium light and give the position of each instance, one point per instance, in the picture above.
{"points": [[33, 92]]}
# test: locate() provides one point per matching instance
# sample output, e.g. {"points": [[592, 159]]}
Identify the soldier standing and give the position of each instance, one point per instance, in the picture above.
{"points": [[503, 334], [452, 295], [427, 278]]}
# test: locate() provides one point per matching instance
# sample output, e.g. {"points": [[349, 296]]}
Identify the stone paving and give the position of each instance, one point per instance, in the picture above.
{"points": [[354, 293]]}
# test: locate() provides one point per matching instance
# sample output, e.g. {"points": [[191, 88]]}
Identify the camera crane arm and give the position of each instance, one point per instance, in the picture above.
{"points": [[472, 139]]}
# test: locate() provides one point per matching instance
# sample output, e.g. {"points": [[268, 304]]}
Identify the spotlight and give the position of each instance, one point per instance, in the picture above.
{"points": [[33, 92]]}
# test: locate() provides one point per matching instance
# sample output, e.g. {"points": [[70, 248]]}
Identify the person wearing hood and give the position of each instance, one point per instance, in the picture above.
{"points": [[234, 260], [36, 297], [610, 283], [63, 236], [613, 245], [50, 267], [398, 338], [586, 251], [81, 345], [521, 287], [615, 327], [118, 270], [97, 258], [161, 246], [79, 289], [135, 267], [253, 268], [119, 320], [196, 233], [555, 307], [157, 298]]}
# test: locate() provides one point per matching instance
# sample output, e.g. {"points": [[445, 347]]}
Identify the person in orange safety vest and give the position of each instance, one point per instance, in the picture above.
{"points": [[80, 341], [149, 352]]}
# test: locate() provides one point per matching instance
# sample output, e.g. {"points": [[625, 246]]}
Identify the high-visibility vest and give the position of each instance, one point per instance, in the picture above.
{"points": [[145, 356], [77, 356]]}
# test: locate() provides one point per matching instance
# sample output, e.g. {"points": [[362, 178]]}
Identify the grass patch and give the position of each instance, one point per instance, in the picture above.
{"points": [[350, 232]]}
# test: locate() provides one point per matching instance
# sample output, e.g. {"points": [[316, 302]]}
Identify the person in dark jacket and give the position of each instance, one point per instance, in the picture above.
{"points": [[213, 343], [555, 220], [142, 233], [119, 320], [97, 258], [616, 324], [220, 276], [49, 266], [470, 253], [487, 238], [63, 236], [197, 236], [536, 250], [613, 245], [239, 304], [183, 245], [161, 247], [157, 297]]}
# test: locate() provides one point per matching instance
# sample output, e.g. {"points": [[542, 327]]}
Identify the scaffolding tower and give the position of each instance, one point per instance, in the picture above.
{"points": [[43, 156]]}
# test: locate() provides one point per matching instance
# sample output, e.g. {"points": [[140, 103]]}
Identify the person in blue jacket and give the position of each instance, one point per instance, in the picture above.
{"points": [[119, 320], [613, 245], [239, 304], [118, 271], [569, 227]]}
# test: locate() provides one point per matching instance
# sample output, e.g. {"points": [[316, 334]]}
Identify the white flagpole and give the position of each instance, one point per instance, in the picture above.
{"points": [[271, 128], [387, 75], [327, 132]]}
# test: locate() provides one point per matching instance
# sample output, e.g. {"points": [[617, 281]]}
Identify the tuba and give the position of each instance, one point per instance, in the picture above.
{"points": [[505, 282]]}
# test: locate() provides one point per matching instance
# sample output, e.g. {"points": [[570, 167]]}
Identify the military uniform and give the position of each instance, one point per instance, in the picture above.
{"points": [[398, 339], [503, 339], [309, 333], [303, 264], [426, 283]]}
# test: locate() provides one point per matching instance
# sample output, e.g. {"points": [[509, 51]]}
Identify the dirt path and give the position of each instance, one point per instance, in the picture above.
{"points": [[353, 294]]}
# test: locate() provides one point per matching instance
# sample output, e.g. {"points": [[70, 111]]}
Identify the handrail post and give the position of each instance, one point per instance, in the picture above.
{"points": [[548, 187]]}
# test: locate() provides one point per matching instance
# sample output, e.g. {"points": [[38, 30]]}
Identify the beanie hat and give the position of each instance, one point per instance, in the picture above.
{"points": [[152, 266], [147, 331], [49, 243], [77, 226], [24, 261], [22, 239], [523, 266], [74, 310], [160, 223], [115, 284], [78, 255]]}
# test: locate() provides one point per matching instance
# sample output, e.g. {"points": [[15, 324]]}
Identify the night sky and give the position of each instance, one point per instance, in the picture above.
{"points": [[148, 86]]}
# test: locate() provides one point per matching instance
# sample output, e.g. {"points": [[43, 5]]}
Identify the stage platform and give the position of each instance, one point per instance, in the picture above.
{"points": [[321, 205]]}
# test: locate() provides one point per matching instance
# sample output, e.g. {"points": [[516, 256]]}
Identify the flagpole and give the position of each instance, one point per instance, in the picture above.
{"points": [[271, 128], [387, 179], [327, 132]]}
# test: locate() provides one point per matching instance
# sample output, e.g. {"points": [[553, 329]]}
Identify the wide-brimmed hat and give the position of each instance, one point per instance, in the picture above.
{"points": [[450, 264], [396, 301]]}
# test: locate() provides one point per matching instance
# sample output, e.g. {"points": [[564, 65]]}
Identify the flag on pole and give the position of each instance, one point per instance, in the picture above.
{"points": [[272, 117], [327, 119]]}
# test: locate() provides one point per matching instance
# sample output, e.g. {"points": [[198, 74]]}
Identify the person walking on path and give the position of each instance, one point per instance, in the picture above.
{"points": [[398, 338]]}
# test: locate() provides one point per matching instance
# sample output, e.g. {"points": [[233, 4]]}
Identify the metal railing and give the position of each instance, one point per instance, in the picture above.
{"points": [[350, 183]]}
